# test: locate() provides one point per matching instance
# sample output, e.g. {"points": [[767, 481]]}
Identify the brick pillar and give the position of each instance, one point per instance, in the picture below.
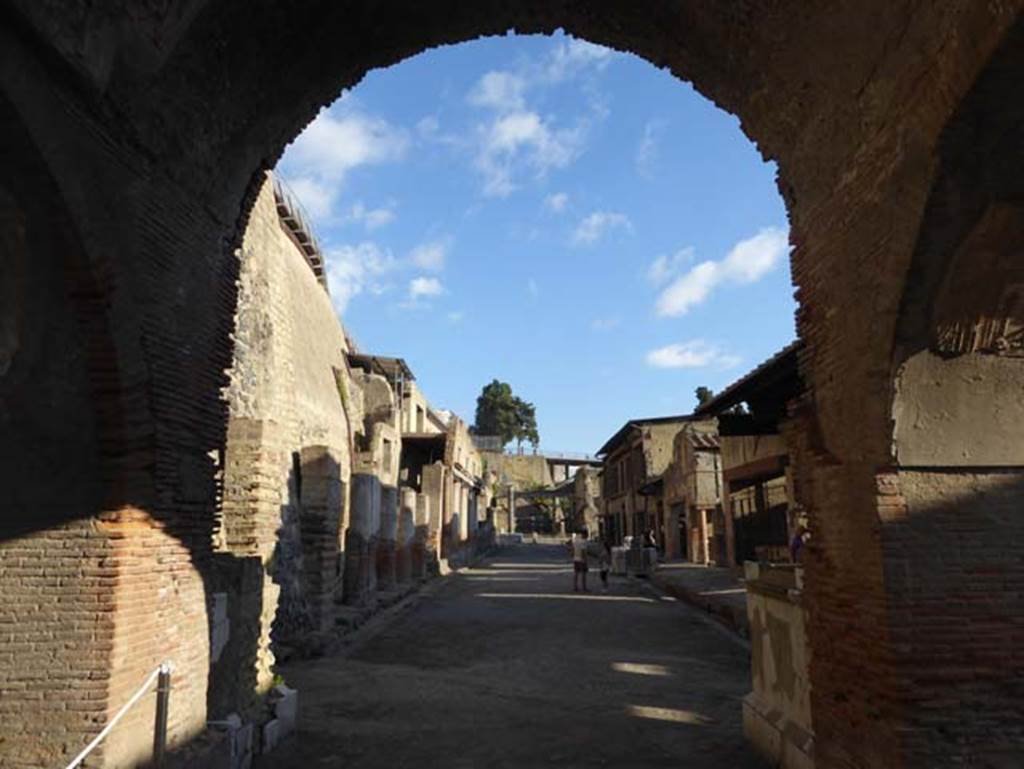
{"points": [[387, 538], [320, 518], [360, 577], [255, 478]]}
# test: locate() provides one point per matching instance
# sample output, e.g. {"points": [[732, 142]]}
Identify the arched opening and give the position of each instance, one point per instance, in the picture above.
{"points": [[953, 535], [156, 128], [288, 342], [53, 353]]}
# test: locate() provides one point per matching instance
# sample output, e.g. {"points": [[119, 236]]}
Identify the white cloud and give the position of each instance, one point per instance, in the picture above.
{"points": [[523, 138], [750, 259], [516, 140], [647, 150], [456, 316], [314, 196], [420, 287], [371, 218], [367, 268], [689, 290], [594, 227], [666, 267], [352, 269], [605, 324], [557, 201], [430, 256], [502, 91], [533, 288], [747, 261], [693, 354], [572, 56], [334, 144]]}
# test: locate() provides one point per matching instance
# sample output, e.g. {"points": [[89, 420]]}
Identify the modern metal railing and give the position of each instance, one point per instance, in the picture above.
{"points": [[299, 223], [162, 677], [578, 455]]}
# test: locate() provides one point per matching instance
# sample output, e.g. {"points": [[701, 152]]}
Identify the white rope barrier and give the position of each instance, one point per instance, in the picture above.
{"points": [[164, 668]]}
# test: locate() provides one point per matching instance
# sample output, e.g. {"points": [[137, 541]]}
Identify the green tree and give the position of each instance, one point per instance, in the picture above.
{"points": [[499, 412], [496, 411], [704, 395], [526, 423]]}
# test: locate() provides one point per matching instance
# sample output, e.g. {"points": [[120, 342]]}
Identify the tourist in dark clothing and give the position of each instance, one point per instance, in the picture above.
{"points": [[605, 563], [796, 546]]}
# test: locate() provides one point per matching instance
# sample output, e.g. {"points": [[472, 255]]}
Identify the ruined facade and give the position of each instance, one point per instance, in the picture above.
{"points": [[633, 462], [134, 144], [586, 499], [759, 500], [693, 524]]}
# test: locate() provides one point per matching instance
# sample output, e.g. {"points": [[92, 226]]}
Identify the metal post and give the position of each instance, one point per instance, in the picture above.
{"points": [[163, 693]]}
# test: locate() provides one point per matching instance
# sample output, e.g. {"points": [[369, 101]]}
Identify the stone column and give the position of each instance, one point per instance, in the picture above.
{"points": [[360, 578], [463, 527], [730, 528], [387, 538], [406, 535], [705, 556], [433, 493], [672, 544], [511, 510], [472, 515], [424, 554]]}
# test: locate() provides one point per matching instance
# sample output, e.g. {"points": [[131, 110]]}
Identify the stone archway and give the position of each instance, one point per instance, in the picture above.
{"points": [[53, 420], [953, 538], [156, 125]]}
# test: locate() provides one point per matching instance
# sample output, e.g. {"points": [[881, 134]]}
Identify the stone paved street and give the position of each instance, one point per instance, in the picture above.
{"points": [[505, 666]]}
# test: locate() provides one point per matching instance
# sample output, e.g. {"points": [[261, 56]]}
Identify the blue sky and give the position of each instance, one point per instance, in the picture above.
{"points": [[550, 213]]}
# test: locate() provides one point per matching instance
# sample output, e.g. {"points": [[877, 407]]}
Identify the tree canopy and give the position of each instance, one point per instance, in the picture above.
{"points": [[499, 412]]}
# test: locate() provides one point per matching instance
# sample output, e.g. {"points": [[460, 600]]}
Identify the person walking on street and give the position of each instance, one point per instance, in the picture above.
{"points": [[579, 560], [605, 563]]}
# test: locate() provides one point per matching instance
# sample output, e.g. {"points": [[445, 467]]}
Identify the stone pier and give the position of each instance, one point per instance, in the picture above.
{"points": [[321, 514], [423, 557], [406, 534], [386, 541], [360, 578]]}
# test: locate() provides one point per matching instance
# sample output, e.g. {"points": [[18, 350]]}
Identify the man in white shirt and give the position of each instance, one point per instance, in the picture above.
{"points": [[579, 560]]}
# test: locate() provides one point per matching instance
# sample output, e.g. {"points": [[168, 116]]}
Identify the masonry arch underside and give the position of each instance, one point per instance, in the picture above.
{"points": [[205, 104], [951, 524]]}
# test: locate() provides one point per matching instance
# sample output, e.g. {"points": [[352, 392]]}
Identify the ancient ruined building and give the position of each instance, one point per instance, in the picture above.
{"points": [[134, 139]]}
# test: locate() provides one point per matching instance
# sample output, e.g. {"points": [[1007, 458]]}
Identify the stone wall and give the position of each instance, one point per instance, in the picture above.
{"points": [[692, 486], [522, 471], [657, 446], [289, 400], [417, 416], [777, 713]]}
